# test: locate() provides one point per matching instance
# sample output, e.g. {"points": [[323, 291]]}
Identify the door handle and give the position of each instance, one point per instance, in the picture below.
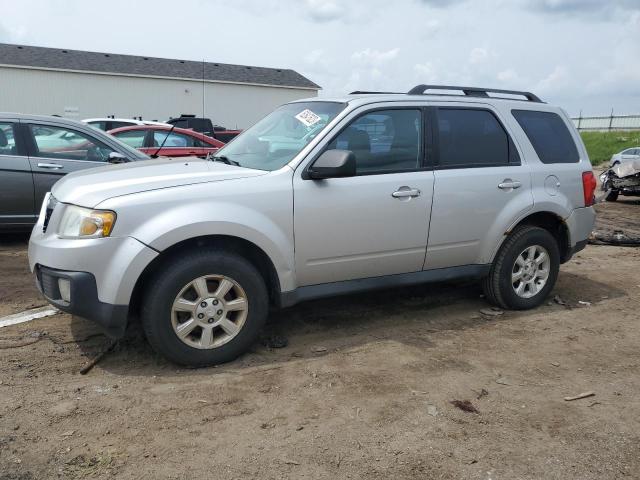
{"points": [[508, 184], [50, 166], [404, 192]]}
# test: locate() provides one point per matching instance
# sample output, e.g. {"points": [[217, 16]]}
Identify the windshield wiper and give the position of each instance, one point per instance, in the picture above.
{"points": [[223, 159]]}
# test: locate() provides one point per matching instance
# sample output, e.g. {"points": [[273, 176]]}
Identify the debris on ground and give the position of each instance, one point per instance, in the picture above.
{"points": [[504, 381], [492, 312], [584, 304], [579, 396], [617, 238], [482, 393], [318, 349], [432, 410], [87, 368], [465, 406], [559, 300], [555, 364]]}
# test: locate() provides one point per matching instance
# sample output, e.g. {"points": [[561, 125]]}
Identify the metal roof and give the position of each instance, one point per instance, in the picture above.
{"points": [[112, 63]]}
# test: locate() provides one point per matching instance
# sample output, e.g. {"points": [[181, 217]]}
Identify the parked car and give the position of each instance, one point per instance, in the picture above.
{"points": [[167, 141], [106, 124], [36, 151], [628, 155], [205, 126], [322, 197]]}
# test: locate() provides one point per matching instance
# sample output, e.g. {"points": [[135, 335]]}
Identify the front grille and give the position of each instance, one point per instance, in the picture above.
{"points": [[47, 216]]}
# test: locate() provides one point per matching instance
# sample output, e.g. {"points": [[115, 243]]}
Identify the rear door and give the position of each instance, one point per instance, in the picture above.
{"points": [[481, 185], [55, 150], [16, 180]]}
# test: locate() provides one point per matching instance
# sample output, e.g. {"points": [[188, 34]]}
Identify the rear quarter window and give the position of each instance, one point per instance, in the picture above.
{"points": [[549, 136]]}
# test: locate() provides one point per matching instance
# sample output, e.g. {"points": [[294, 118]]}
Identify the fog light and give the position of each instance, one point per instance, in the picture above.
{"points": [[64, 285]]}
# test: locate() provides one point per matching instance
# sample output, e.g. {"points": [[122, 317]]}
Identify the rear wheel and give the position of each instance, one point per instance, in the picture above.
{"points": [[525, 269], [205, 308]]}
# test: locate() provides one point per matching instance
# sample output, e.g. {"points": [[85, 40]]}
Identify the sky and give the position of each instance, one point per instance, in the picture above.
{"points": [[583, 55]]}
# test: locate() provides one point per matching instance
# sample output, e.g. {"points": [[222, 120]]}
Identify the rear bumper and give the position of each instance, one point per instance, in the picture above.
{"points": [[580, 224], [83, 300]]}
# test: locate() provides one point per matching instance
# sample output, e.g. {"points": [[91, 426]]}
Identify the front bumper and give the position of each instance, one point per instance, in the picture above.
{"points": [[83, 299]]}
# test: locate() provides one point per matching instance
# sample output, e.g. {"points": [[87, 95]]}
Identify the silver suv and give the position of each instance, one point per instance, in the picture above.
{"points": [[322, 197]]}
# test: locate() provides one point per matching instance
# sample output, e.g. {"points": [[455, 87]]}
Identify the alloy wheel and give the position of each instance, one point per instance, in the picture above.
{"points": [[209, 311]]}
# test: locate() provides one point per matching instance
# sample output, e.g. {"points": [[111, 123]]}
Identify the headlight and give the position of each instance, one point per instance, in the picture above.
{"points": [[78, 222]]}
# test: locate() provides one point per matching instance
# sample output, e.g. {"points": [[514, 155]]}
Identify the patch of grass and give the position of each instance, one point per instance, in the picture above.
{"points": [[601, 145]]}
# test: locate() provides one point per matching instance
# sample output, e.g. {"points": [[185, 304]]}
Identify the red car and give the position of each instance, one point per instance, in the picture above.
{"points": [[180, 142]]}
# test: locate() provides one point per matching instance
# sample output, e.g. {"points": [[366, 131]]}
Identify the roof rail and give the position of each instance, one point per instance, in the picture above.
{"points": [[472, 91], [363, 92]]}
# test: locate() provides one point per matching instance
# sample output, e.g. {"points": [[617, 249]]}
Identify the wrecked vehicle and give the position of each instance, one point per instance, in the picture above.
{"points": [[621, 179]]}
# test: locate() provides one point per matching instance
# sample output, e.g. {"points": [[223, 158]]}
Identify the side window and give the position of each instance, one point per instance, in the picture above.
{"points": [[7, 139], [115, 125], [67, 144], [133, 138], [384, 141], [472, 138], [549, 136], [175, 140], [98, 125]]}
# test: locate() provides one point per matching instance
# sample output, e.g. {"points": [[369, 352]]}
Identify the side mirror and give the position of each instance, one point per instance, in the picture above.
{"points": [[333, 164], [116, 157]]}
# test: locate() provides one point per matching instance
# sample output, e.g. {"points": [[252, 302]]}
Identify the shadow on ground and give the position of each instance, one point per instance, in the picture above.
{"points": [[405, 315]]}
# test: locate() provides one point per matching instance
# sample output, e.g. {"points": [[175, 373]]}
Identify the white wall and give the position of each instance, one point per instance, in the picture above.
{"points": [[86, 95]]}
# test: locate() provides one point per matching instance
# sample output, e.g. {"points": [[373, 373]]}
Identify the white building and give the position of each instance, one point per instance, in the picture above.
{"points": [[78, 84]]}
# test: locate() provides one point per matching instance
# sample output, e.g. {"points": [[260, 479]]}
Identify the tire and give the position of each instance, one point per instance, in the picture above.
{"points": [[612, 196], [498, 286], [176, 286]]}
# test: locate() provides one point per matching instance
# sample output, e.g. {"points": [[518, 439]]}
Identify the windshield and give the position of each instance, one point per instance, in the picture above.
{"points": [[277, 138]]}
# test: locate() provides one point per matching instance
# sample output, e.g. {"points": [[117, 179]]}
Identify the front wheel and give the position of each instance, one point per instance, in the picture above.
{"points": [[204, 308], [525, 269], [612, 196]]}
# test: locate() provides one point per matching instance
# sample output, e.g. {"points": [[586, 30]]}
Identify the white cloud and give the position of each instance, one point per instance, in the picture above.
{"points": [[426, 72], [479, 55], [370, 57], [557, 80], [324, 10], [508, 75]]}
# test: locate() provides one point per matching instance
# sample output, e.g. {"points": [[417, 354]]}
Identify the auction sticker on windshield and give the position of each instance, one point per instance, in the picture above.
{"points": [[308, 117]]}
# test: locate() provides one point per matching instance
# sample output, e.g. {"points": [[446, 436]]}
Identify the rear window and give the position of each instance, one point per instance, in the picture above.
{"points": [[549, 136]]}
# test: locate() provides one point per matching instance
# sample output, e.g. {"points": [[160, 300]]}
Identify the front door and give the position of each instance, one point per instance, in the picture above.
{"points": [[375, 223], [57, 150], [480, 187], [16, 181]]}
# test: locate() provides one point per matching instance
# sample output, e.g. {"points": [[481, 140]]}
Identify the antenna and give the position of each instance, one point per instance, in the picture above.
{"points": [[203, 88]]}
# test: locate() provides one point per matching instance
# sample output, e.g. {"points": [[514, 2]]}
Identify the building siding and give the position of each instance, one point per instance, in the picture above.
{"points": [[85, 95]]}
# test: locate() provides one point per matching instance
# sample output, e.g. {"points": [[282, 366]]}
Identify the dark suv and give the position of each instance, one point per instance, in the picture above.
{"points": [[204, 125]]}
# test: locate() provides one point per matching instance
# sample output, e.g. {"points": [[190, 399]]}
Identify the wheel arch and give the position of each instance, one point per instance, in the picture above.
{"points": [[553, 223], [241, 246]]}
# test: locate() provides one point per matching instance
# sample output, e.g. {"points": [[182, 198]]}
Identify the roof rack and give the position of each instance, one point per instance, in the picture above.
{"points": [[472, 91]]}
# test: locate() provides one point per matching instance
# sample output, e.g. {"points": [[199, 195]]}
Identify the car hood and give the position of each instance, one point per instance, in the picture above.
{"points": [[90, 187]]}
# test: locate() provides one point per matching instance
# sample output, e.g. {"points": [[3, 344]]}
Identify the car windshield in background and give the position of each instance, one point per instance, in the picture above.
{"points": [[276, 139]]}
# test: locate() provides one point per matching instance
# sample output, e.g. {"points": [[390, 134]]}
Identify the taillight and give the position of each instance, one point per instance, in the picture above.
{"points": [[589, 188]]}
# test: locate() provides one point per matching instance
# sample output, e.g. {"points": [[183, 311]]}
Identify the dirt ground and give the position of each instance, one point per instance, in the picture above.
{"points": [[363, 390]]}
